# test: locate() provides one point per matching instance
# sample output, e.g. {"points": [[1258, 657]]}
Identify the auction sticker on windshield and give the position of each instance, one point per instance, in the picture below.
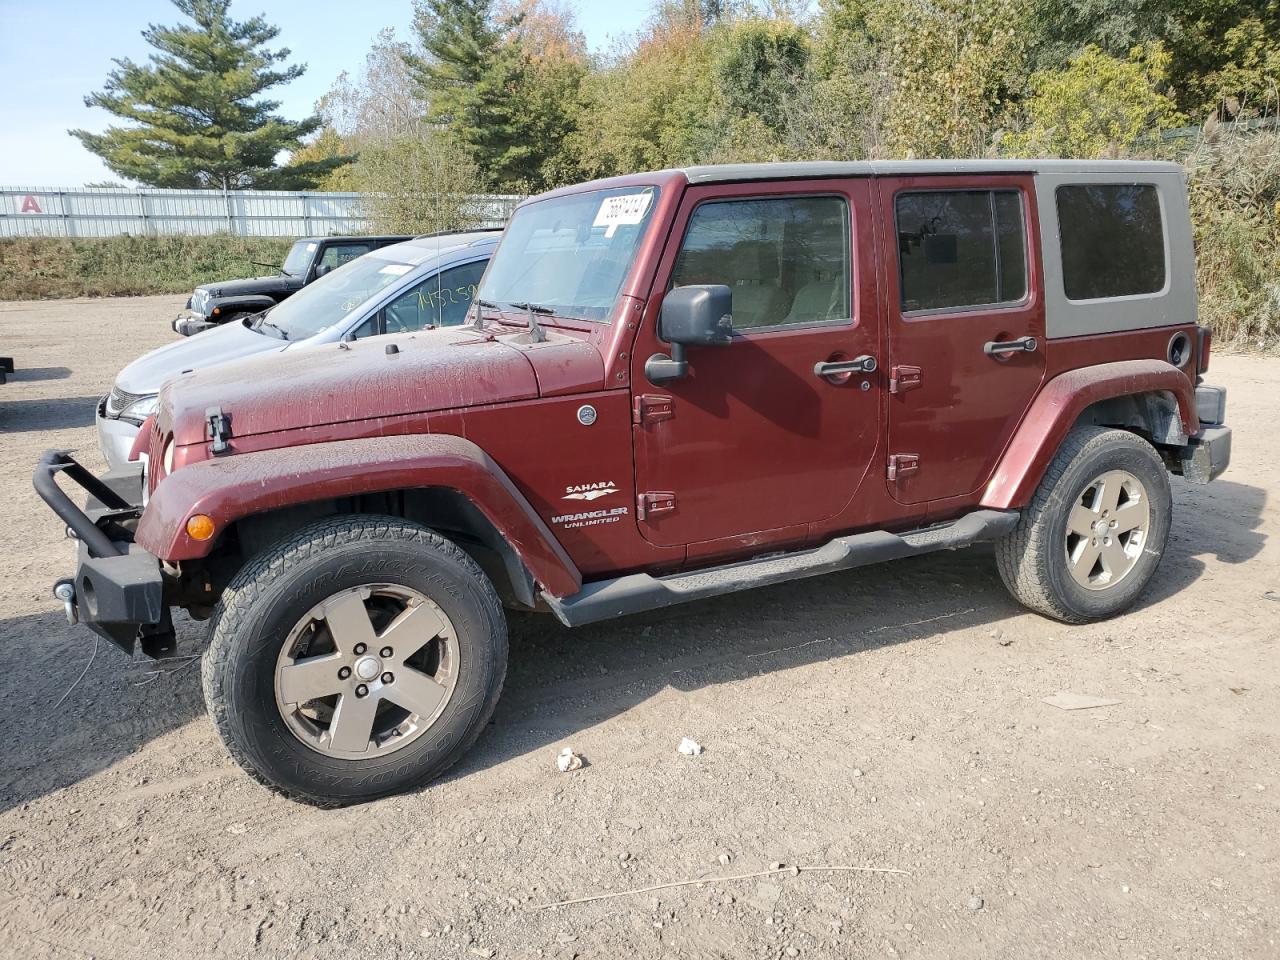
{"points": [[627, 209]]}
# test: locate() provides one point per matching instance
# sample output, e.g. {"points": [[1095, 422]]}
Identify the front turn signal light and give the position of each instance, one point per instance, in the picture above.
{"points": [[200, 527]]}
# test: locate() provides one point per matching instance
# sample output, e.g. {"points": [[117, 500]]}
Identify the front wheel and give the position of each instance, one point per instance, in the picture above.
{"points": [[359, 657], [1095, 531]]}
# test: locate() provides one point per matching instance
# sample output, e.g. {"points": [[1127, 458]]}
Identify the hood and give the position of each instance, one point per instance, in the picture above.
{"points": [[231, 341], [312, 386], [253, 285]]}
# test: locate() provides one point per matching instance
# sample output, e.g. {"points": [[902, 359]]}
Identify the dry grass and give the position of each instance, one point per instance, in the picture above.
{"points": [[38, 268], [1234, 178]]}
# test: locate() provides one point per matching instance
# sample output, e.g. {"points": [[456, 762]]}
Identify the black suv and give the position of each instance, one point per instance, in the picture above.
{"points": [[309, 259]]}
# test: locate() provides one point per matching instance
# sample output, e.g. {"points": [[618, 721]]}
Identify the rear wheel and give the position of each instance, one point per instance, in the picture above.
{"points": [[1095, 531], [359, 657]]}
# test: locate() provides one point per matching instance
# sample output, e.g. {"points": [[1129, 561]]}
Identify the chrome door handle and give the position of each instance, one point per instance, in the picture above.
{"points": [[1001, 348], [834, 368]]}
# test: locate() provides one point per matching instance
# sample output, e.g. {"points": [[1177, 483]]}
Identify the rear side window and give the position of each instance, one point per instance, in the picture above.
{"points": [[961, 248], [1112, 240]]}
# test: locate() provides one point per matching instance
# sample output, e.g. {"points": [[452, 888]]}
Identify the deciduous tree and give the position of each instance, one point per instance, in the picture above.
{"points": [[1098, 106], [417, 182]]}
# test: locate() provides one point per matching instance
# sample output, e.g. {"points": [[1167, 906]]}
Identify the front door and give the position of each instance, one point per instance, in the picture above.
{"points": [[754, 439], [966, 327]]}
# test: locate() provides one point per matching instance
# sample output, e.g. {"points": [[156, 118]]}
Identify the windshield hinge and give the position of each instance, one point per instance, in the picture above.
{"points": [[219, 429], [652, 504], [652, 408], [536, 333]]}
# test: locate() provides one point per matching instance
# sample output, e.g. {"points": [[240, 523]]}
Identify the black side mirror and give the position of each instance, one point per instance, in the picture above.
{"points": [[323, 269], [694, 316]]}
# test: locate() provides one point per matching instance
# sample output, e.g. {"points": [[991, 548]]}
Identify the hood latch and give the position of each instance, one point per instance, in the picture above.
{"points": [[219, 429]]}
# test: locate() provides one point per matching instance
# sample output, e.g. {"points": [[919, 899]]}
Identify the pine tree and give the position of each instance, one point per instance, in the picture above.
{"points": [[197, 119], [469, 72]]}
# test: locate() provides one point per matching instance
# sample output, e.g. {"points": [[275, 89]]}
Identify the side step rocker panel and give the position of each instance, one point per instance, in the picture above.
{"points": [[638, 592]]}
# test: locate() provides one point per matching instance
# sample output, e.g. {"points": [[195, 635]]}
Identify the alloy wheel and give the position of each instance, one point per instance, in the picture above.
{"points": [[1107, 530], [367, 671]]}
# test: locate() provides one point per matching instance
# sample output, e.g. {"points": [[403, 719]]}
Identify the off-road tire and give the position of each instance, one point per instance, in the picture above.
{"points": [[274, 590], [1032, 558]]}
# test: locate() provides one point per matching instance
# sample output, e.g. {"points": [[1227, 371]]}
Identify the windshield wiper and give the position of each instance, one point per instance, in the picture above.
{"points": [[534, 308], [262, 321]]}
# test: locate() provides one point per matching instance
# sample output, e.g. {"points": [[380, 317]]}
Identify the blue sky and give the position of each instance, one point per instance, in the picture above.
{"points": [[53, 52]]}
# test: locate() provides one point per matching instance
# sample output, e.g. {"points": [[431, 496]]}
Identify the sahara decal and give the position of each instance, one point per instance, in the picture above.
{"points": [[590, 491]]}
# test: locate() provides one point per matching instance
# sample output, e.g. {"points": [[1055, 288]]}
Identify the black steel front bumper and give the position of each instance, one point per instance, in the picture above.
{"points": [[117, 589]]}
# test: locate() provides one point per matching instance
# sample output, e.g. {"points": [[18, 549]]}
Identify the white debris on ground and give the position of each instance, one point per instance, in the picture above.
{"points": [[1078, 701], [568, 760], [690, 748]]}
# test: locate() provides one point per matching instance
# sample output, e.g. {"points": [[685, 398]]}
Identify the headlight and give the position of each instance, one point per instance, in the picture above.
{"points": [[140, 409], [168, 457]]}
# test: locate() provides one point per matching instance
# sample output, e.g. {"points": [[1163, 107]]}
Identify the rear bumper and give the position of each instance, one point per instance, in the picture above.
{"points": [[116, 589], [1208, 455]]}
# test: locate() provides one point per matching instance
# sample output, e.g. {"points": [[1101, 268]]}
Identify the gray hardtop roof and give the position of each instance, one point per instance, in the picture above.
{"points": [[446, 247], [806, 170], [348, 237]]}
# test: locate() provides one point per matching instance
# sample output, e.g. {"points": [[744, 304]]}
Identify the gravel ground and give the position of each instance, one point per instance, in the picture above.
{"points": [[889, 717]]}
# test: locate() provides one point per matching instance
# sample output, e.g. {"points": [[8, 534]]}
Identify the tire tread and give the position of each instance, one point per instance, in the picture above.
{"points": [[258, 577], [1023, 555]]}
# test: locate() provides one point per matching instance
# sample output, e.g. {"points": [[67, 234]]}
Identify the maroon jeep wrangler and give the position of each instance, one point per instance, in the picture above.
{"points": [[675, 385]]}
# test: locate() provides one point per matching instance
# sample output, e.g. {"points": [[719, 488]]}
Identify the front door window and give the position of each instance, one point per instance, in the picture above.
{"points": [[439, 301], [786, 260], [335, 255]]}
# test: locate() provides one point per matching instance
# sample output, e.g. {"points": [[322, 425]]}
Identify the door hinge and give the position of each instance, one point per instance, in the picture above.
{"points": [[903, 378], [903, 464], [652, 408], [652, 504]]}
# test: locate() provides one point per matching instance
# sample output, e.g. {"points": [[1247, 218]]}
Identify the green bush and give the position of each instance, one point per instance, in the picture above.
{"points": [[34, 268]]}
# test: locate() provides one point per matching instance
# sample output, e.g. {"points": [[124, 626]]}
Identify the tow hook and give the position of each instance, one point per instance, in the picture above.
{"points": [[65, 591]]}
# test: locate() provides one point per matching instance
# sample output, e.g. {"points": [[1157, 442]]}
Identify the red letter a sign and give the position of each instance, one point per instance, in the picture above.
{"points": [[29, 205]]}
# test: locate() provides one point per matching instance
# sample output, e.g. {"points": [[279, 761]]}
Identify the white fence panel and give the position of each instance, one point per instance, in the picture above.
{"points": [[106, 212]]}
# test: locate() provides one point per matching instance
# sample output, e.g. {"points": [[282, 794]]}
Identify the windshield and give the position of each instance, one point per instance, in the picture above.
{"points": [[299, 258], [571, 254], [321, 304]]}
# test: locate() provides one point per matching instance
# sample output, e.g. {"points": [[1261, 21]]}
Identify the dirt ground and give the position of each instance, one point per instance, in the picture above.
{"points": [[888, 717]]}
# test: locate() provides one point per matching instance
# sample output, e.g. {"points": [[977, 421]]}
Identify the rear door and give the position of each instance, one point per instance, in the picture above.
{"points": [[753, 439], [966, 327]]}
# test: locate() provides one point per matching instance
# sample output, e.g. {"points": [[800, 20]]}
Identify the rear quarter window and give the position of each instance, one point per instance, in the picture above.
{"points": [[1113, 240]]}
